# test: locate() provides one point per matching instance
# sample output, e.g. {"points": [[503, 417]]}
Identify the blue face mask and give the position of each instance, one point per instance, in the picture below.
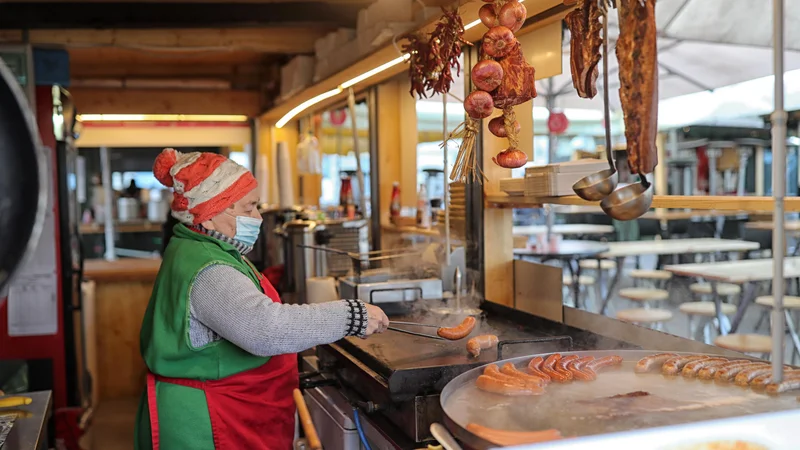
{"points": [[247, 229]]}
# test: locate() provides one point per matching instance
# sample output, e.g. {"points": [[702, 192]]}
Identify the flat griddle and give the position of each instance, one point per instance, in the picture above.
{"points": [[582, 408]]}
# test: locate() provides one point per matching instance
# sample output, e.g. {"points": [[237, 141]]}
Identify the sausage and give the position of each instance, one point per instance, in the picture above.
{"points": [[729, 373], [497, 386], [561, 366], [651, 362], [493, 371], [510, 370], [580, 371], [674, 365], [606, 361], [762, 381], [690, 370], [535, 368], [458, 332], [508, 438], [548, 367], [709, 372], [750, 373], [478, 343], [789, 384]]}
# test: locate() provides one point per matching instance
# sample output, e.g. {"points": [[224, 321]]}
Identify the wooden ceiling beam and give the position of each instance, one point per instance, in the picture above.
{"points": [[159, 101], [24, 15], [263, 40], [332, 2]]}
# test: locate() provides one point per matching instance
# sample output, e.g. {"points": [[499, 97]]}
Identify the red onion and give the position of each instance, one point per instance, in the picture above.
{"points": [[511, 158], [488, 16], [497, 127], [498, 41], [487, 75], [512, 15], [479, 104]]}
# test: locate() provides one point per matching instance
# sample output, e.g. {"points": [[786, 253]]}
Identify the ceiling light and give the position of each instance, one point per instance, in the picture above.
{"points": [[305, 105], [375, 71]]}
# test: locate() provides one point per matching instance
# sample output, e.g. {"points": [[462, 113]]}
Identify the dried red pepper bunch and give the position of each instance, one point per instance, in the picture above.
{"points": [[432, 59]]}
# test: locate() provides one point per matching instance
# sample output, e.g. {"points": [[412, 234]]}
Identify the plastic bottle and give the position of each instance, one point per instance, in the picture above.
{"points": [[394, 209], [423, 208]]}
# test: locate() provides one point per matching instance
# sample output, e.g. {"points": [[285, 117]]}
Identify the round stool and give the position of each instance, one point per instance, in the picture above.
{"points": [[745, 343], [591, 264], [642, 316], [644, 294], [723, 289], [704, 309], [583, 280], [791, 305], [655, 278]]}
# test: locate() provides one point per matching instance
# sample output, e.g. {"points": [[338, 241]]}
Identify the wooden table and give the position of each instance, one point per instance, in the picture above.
{"points": [[621, 250], [791, 226], [746, 273], [572, 229], [658, 214]]}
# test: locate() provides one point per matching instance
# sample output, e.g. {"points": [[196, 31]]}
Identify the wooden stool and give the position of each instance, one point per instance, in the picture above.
{"points": [[591, 264], [583, 282], [654, 278], [791, 305], [745, 343], [644, 295], [708, 310], [723, 289], [642, 316]]}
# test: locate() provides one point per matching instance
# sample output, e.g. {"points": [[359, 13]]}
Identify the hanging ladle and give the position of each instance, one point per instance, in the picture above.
{"points": [[600, 185], [629, 202]]}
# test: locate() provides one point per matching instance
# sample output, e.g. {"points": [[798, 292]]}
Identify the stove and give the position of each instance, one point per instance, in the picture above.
{"points": [[396, 378]]}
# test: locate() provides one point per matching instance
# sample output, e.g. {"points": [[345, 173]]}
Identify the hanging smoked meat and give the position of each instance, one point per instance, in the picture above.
{"points": [[638, 76], [585, 41]]}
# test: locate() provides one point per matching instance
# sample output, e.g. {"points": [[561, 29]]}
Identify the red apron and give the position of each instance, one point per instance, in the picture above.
{"points": [[251, 410]]}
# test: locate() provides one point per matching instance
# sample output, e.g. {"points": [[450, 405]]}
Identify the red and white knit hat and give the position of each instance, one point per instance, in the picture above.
{"points": [[205, 184]]}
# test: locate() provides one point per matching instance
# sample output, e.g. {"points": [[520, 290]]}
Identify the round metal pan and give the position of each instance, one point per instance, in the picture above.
{"points": [[578, 408], [23, 193]]}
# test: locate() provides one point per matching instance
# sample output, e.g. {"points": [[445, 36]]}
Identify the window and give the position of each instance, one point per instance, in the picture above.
{"points": [[338, 157]]}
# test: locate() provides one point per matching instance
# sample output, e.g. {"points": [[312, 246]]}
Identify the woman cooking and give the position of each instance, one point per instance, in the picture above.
{"points": [[219, 345]]}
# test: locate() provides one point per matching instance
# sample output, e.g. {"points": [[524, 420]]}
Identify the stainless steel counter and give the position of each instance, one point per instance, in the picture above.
{"points": [[30, 433]]}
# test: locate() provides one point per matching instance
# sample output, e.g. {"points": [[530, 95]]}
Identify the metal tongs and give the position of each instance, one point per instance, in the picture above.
{"points": [[414, 333]]}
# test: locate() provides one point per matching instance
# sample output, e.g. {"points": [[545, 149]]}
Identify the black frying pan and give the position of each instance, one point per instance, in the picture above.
{"points": [[23, 193]]}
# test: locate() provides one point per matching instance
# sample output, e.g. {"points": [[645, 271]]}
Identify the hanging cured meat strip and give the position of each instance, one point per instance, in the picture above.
{"points": [[585, 42], [638, 75]]}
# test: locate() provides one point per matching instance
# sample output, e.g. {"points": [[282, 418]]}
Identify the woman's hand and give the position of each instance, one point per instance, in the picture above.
{"points": [[377, 322]]}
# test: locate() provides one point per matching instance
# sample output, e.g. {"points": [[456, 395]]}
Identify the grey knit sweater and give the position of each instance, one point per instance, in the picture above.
{"points": [[225, 304]]}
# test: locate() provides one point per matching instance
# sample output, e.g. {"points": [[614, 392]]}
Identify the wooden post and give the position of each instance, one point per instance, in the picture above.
{"points": [[389, 135]]}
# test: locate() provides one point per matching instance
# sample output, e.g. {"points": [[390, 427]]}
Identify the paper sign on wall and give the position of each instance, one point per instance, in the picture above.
{"points": [[33, 306]]}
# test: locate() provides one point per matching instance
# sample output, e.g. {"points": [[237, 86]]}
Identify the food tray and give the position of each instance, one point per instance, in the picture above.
{"points": [[564, 406]]}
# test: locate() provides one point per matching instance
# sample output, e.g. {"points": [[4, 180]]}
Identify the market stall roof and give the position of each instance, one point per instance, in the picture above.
{"points": [[703, 45]]}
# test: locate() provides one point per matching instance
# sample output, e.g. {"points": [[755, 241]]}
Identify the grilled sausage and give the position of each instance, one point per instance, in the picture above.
{"points": [[509, 438], [580, 371], [497, 386], [478, 343], [651, 362], [458, 332], [728, 373], [762, 381], [690, 370], [548, 367], [510, 370], [535, 368], [788, 384], [751, 372], [561, 366], [673, 366], [710, 371], [606, 361]]}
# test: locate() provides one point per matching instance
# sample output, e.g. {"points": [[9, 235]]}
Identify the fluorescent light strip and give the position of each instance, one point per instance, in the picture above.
{"points": [[375, 71], [160, 118], [305, 105], [352, 82]]}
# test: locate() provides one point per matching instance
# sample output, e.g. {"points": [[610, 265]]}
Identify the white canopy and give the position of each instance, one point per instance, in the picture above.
{"points": [[703, 45]]}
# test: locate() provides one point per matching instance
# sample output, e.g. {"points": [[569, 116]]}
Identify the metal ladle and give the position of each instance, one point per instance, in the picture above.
{"points": [[600, 185], [630, 202]]}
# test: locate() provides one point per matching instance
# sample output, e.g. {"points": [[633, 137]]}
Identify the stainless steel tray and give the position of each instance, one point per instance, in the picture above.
{"points": [[560, 406]]}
